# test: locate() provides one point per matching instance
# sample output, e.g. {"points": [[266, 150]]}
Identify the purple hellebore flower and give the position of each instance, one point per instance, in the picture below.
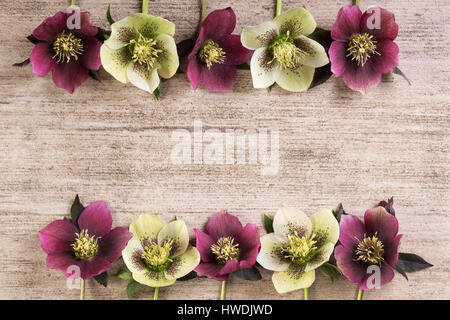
{"points": [[217, 52], [92, 248], [363, 48], [374, 242], [226, 247], [68, 54]]}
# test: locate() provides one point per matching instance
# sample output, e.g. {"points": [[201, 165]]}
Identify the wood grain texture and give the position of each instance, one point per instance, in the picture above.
{"points": [[112, 142]]}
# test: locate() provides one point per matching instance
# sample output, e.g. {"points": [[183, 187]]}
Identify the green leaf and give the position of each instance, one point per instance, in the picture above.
{"points": [[108, 15], [23, 63], [410, 262], [102, 279], [244, 66], [250, 274], [324, 73], [191, 275], [388, 205], [396, 70], [131, 288], [338, 212], [124, 274], [268, 223], [271, 87], [102, 35], [33, 40], [75, 211], [94, 75], [174, 218], [330, 270], [157, 92], [401, 271]]}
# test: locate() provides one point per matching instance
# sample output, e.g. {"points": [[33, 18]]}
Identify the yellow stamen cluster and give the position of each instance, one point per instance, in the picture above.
{"points": [[85, 246], [361, 48], [67, 46], [144, 51], [225, 250], [370, 250], [298, 249], [284, 50], [211, 53], [157, 257]]}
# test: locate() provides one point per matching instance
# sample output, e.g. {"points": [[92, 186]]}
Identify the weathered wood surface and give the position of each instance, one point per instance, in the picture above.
{"points": [[111, 141]]}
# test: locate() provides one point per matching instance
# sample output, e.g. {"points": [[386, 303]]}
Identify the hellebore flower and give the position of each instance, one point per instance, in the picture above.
{"points": [[68, 53], [374, 242], [141, 49], [363, 48], [298, 245], [159, 253], [217, 52], [283, 52], [92, 248], [226, 246]]}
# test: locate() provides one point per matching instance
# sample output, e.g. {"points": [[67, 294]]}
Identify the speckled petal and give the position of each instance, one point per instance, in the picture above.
{"points": [[316, 56], [325, 227], [297, 80], [264, 72], [115, 62], [147, 80], [183, 264], [255, 37], [269, 257], [293, 279], [176, 231], [290, 220], [132, 256], [322, 256], [146, 227], [297, 21], [153, 279]]}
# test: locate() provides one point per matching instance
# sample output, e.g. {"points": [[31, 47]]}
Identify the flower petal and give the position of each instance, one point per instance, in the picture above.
{"points": [[51, 27], [297, 21], [379, 221], [58, 236], [96, 218], [249, 243], [345, 260], [270, 257], [69, 76], [132, 256], [316, 56], [347, 23], [297, 80], [90, 58], [94, 267], [203, 244], [388, 58], [142, 78], [183, 264], [287, 221], [387, 28], [67, 263], [223, 224], [229, 267], [115, 62], [41, 59], [351, 231], [210, 270], [255, 37], [194, 71], [146, 227], [361, 78], [168, 59], [322, 256], [338, 57], [391, 250], [325, 227], [293, 278], [264, 72], [153, 279], [178, 233], [111, 245], [386, 275], [219, 78], [235, 52], [219, 23]]}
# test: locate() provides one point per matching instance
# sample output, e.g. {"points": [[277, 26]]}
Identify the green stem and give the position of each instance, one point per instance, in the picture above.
{"points": [[73, 3], [83, 289], [360, 295], [203, 11], [145, 6], [156, 294], [306, 291], [278, 12], [223, 293], [357, 2]]}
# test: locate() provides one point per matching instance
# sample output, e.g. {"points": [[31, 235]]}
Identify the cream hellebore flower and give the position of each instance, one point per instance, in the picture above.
{"points": [[298, 246], [159, 253], [140, 50], [283, 52]]}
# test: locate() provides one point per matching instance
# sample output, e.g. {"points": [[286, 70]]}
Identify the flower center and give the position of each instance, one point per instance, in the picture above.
{"points": [[298, 249], [361, 48], [211, 53], [225, 250], [144, 51], [156, 257], [284, 50], [370, 250], [85, 246], [67, 46]]}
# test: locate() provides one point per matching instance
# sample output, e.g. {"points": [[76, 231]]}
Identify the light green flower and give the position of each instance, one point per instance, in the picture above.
{"points": [[140, 50], [159, 253], [298, 245], [283, 52]]}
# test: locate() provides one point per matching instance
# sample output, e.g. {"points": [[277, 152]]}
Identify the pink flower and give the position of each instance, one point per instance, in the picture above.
{"points": [[363, 48], [217, 52], [226, 247], [92, 248], [68, 54], [372, 243]]}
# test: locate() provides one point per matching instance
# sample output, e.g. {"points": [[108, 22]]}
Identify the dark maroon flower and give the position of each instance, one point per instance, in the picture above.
{"points": [[92, 248], [226, 247], [68, 54], [217, 52], [374, 242], [363, 48]]}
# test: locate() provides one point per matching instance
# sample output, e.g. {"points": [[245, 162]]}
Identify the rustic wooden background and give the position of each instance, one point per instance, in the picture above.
{"points": [[111, 142]]}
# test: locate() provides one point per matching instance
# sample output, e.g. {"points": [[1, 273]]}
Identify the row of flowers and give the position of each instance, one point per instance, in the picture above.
{"points": [[290, 51], [157, 254]]}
